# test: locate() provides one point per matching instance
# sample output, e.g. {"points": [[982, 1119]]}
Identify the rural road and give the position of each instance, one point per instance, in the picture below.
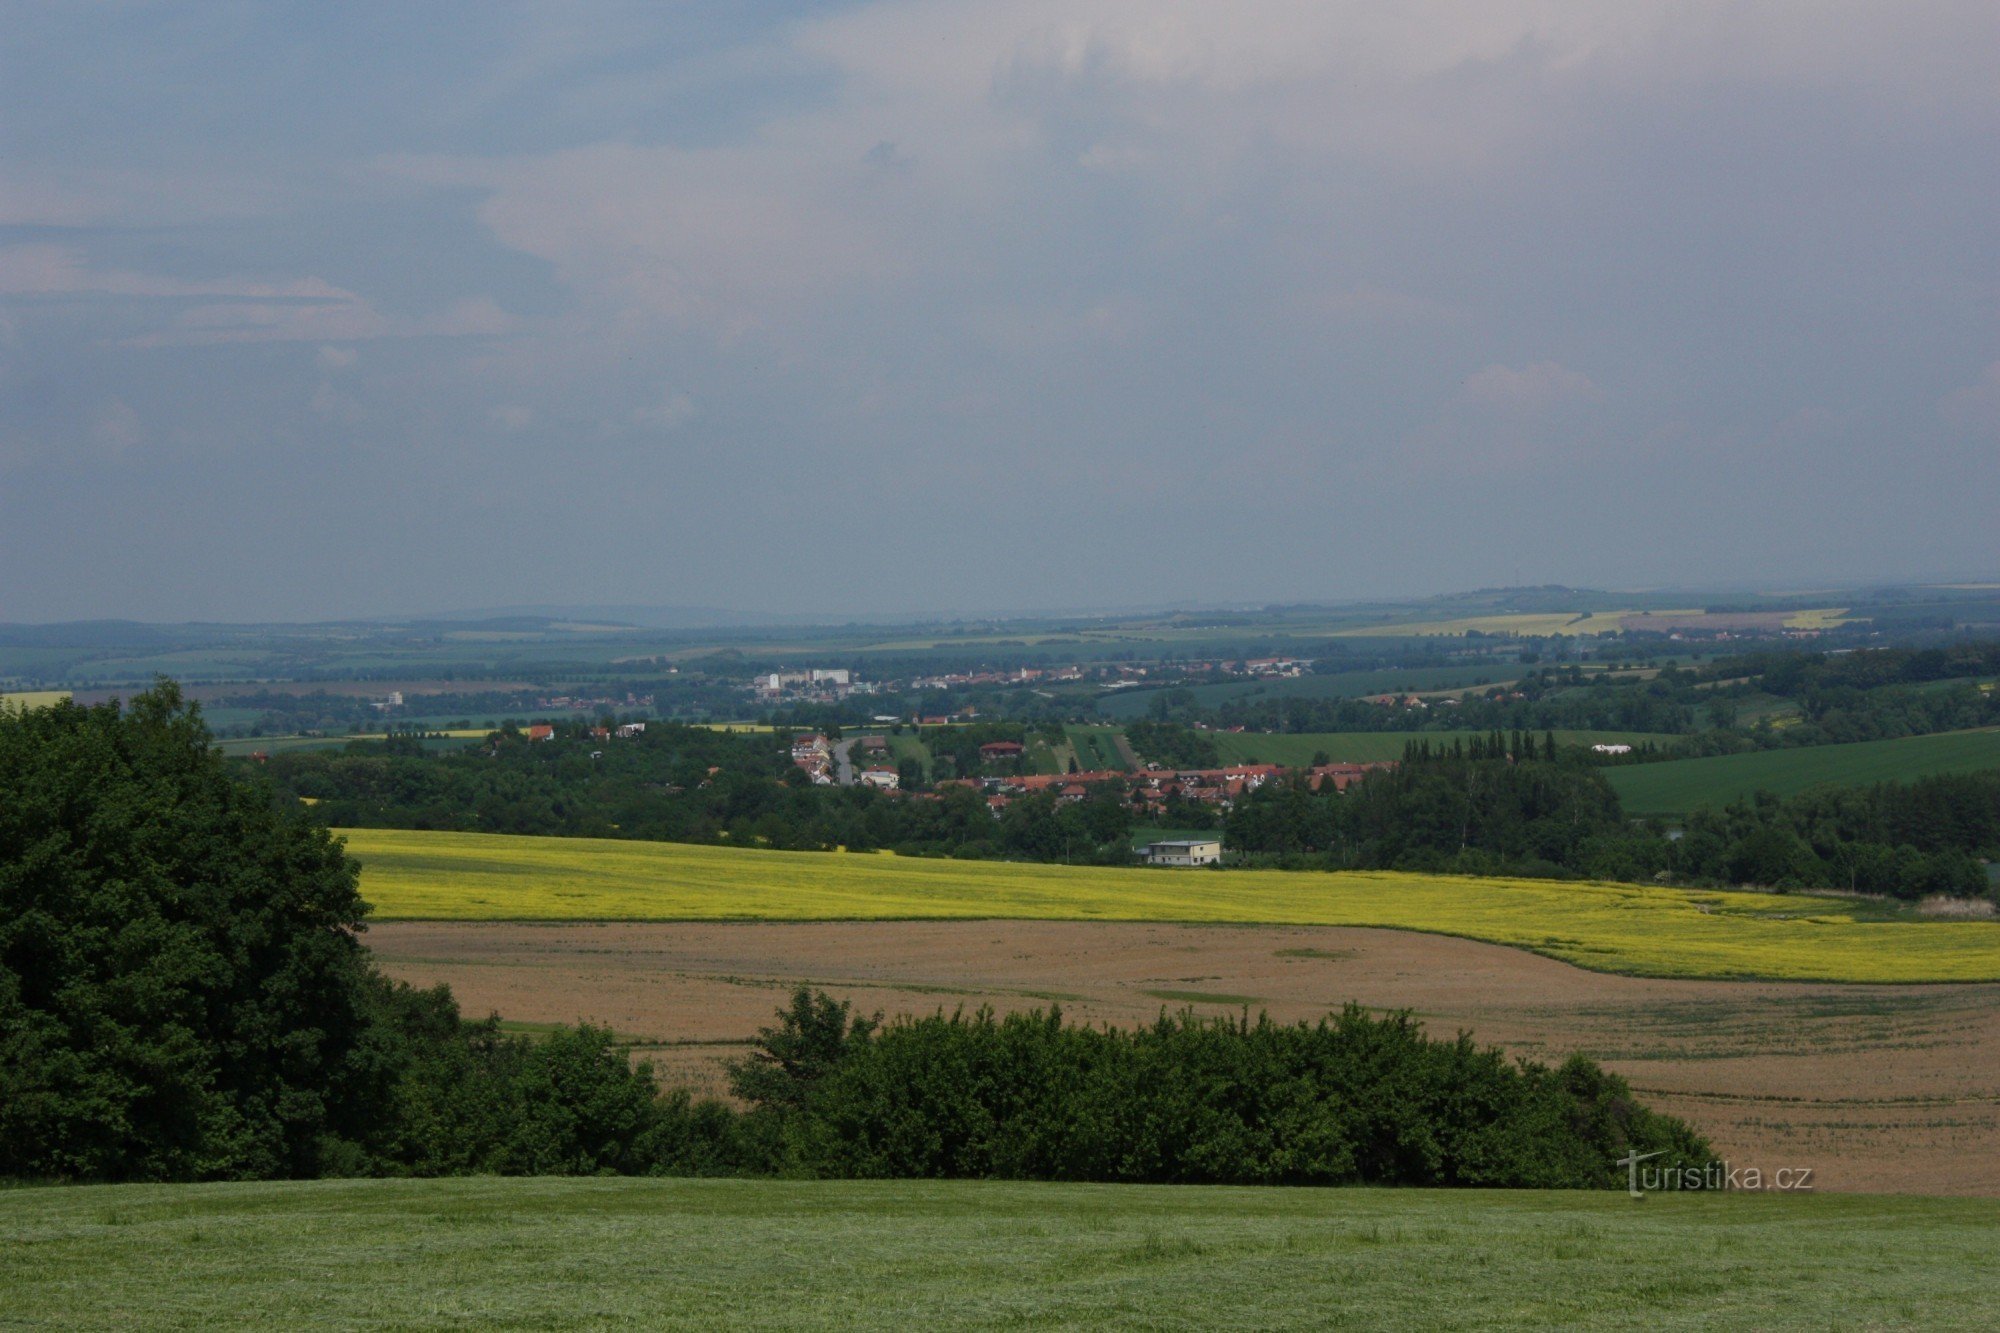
{"points": [[843, 765]]}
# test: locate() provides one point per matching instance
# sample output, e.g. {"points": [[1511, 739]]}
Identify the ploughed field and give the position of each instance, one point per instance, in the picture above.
{"points": [[1625, 928], [568, 1253], [1877, 1088]]}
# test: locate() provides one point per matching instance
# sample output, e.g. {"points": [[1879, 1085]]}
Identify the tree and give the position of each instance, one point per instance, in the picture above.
{"points": [[183, 994], [181, 986]]}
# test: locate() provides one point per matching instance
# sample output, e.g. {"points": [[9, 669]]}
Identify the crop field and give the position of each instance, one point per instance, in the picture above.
{"points": [[556, 1253], [1878, 1088], [1612, 927], [1680, 785], [1127, 704], [240, 746], [1097, 749], [1362, 747], [33, 698], [1523, 623]]}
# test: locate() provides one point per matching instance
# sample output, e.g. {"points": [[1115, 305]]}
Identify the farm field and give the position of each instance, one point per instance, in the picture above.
{"points": [[32, 698], [1879, 1088], [556, 1253], [1680, 785], [1128, 704], [1611, 927], [1362, 747], [239, 746], [1096, 749], [1523, 622]]}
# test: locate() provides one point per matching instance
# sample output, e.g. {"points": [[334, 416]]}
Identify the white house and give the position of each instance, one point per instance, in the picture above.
{"points": [[1185, 852]]}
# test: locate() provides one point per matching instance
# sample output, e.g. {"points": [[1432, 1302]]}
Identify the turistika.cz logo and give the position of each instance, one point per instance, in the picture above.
{"points": [[1709, 1176]]}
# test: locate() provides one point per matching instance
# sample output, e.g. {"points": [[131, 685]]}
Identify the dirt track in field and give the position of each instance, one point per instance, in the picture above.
{"points": [[1879, 1088]]}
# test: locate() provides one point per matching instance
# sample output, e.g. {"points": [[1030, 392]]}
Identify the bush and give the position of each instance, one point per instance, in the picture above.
{"points": [[1351, 1099]]}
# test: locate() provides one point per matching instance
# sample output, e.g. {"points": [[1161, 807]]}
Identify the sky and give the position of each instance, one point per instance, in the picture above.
{"points": [[314, 310]]}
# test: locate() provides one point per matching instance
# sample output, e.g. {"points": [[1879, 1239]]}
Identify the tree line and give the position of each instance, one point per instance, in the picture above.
{"points": [[1510, 805]]}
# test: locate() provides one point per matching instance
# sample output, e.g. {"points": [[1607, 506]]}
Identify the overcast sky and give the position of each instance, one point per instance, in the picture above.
{"points": [[330, 309]]}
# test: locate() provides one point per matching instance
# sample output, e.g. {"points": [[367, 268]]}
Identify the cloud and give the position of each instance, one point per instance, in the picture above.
{"points": [[1532, 389], [116, 427], [512, 417], [673, 409], [236, 309]]}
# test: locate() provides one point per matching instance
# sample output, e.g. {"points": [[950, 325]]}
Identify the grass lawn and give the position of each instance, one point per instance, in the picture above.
{"points": [[1680, 785], [554, 1253], [1627, 928]]}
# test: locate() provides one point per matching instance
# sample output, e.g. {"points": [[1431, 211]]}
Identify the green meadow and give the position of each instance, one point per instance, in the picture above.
{"points": [[1096, 748], [551, 1253], [1681, 785], [1361, 747]]}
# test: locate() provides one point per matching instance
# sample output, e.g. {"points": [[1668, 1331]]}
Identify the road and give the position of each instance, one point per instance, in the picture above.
{"points": [[843, 765]]}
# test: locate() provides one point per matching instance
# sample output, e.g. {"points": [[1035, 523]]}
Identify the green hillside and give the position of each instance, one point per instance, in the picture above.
{"points": [[566, 1253], [1683, 784], [1360, 747]]}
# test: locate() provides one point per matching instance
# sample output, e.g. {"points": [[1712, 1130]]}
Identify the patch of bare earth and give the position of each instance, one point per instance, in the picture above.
{"points": [[1879, 1088]]}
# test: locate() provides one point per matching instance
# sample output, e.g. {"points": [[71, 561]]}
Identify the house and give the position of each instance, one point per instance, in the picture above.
{"points": [[873, 744], [882, 779], [1612, 749], [541, 731], [1184, 852], [631, 729], [1001, 750]]}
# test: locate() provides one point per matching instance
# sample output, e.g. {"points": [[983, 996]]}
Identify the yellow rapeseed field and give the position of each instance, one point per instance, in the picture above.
{"points": [[33, 698], [1609, 927], [1828, 617]]}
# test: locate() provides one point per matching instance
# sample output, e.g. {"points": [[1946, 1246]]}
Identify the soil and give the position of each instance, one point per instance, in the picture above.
{"points": [[1877, 1088]]}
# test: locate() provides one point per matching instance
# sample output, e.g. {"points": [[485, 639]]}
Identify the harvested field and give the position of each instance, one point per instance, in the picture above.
{"points": [[1878, 1088]]}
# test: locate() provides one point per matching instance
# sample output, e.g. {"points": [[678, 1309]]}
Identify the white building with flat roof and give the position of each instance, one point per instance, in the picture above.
{"points": [[1185, 852]]}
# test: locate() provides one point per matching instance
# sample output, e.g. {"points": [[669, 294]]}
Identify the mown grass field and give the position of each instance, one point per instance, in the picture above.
{"points": [[1361, 747], [557, 1253], [1611, 927], [1681, 785]]}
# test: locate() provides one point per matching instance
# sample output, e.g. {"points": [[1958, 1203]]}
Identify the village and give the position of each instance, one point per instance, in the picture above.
{"points": [[1146, 791]]}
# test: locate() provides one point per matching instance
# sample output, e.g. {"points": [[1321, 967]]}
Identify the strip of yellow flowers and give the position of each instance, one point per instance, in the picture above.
{"points": [[1627, 928]]}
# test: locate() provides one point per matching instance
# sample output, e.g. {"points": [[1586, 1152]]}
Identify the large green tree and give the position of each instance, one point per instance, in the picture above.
{"points": [[182, 993]]}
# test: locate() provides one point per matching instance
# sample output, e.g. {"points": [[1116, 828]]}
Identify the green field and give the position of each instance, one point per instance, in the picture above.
{"points": [[1128, 704], [1681, 785], [1361, 747], [1629, 928], [1096, 749], [564, 1253], [243, 746]]}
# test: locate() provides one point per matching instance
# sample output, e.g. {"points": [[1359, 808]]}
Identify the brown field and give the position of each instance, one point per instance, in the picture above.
{"points": [[1880, 1088]]}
